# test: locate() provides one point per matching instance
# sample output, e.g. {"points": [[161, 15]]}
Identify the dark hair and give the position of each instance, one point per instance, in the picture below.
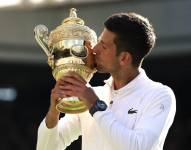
{"points": [[134, 34]]}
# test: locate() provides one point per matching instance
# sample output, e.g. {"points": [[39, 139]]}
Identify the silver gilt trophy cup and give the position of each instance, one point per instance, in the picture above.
{"points": [[66, 51]]}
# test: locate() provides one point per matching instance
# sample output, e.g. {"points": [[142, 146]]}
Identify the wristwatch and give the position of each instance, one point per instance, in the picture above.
{"points": [[99, 106]]}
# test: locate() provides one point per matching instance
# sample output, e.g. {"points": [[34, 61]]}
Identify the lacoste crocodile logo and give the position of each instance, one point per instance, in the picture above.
{"points": [[132, 111]]}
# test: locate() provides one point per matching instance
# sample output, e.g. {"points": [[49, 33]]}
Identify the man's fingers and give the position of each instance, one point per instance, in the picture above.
{"points": [[58, 96], [76, 76], [71, 85], [79, 78], [61, 82], [72, 80]]}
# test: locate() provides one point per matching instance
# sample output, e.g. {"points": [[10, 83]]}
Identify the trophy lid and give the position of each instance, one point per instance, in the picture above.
{"points": [[72, 28], [73, 19]]}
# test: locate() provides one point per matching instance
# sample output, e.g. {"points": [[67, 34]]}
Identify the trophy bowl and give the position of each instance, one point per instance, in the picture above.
{"points": [[67, 52]]}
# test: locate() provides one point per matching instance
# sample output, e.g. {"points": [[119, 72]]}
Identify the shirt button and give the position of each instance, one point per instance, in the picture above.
{"points": [[111, 102]]}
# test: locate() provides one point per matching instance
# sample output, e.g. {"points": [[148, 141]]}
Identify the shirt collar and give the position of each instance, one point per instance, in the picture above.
{"points": [[135, 83]]}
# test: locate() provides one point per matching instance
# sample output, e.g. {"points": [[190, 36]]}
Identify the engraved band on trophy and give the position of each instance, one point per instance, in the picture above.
{"points": [[66, 52]]}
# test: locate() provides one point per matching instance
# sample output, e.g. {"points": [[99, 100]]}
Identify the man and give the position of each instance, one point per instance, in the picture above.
{"points": [[130, 112]]}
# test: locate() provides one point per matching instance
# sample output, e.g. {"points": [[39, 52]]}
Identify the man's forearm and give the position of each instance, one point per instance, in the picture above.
{"points": [[52, 118]]}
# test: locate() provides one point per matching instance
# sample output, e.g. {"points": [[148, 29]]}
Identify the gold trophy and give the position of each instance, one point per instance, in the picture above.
{"points": [[67, 52]]}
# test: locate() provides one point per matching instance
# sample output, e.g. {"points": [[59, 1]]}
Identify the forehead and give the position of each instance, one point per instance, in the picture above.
{"points": [[107, 36]]}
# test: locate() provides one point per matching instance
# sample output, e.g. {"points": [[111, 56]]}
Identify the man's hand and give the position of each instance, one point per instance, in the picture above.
{"points": [[74, 85], [70, 85]]}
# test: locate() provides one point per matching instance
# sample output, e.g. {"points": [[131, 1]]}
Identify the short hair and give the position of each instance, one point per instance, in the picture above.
{"points": [[134, 34]]}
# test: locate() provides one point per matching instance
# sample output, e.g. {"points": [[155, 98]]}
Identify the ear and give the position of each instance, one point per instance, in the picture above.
{"points": [[125, 58]]}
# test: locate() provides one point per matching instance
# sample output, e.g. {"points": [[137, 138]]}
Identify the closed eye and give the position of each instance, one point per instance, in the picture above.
{"points": [[104, 46]]}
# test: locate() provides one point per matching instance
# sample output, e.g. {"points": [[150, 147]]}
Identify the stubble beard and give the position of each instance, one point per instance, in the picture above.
{"points": [[99, 67]]}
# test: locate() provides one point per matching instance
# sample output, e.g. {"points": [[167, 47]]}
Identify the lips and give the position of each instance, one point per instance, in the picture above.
{"points": [[95, 65], [96, 61]]}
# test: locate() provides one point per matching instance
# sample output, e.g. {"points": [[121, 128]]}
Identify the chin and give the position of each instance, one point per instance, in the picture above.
{"points": [[100, 70]]}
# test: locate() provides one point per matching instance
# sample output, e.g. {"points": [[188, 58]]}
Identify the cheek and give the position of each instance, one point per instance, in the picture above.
{"points": [[115, 61]]}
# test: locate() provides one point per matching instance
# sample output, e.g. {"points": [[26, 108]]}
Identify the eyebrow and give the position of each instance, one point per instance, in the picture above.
{"points": [[101, 41]]}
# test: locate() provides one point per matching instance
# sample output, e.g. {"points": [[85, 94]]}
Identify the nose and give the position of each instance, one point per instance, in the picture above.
{"points": [[95, 49]]}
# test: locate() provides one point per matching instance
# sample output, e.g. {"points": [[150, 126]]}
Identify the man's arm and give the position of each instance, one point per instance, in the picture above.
{"points": [[52, 116], [54, 133]]}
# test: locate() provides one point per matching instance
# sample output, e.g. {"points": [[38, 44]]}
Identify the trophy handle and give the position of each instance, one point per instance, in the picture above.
{"points": [[41, 36]]}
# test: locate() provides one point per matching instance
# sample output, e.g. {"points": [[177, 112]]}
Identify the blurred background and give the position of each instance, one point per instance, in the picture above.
{"points": [[26, 79]]}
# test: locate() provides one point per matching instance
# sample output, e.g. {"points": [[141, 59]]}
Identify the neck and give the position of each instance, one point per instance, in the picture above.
{"points": [[122, 78]]}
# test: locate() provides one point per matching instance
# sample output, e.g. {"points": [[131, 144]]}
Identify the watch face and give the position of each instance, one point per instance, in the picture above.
{"points": [[99, 106], [102, 105]]}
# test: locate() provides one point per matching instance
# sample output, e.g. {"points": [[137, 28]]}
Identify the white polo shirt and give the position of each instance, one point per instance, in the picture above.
{"points": [[139, 119]]}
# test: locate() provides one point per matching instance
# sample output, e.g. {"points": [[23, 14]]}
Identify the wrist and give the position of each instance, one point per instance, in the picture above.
{"points": [[91, 101], [52, 118], [53, 112], [92, 104]]}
